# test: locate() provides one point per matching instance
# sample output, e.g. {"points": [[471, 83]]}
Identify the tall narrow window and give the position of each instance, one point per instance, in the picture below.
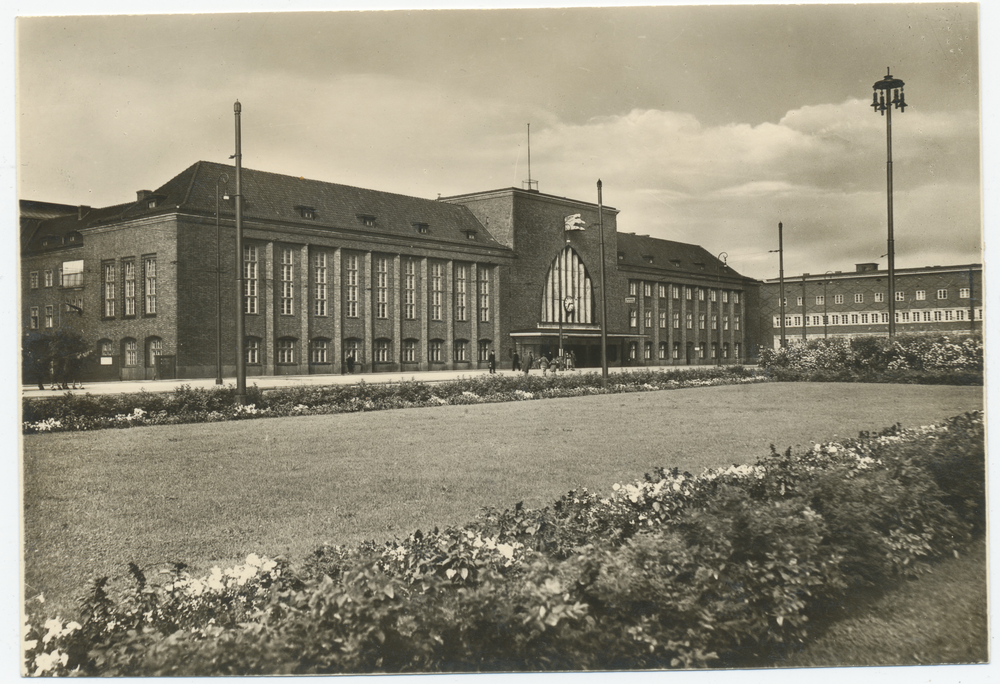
{"points": [[633, 318], [250, 279], [461, 350], [287, 283], [286, 350], [128, 275], [434, 351], [33, 320], [725, 322], [154, 348], [383, 350], [410, 291], [381, 287], [109, 289], [648, 318], [663, 319], [437, 291], [690, 321], [49, 316], [351, 267], [461, 276], [48, 277], [149, 273], [253, 350], [320, 350], [725, 296], [409, 350], [319, 287], [677, 320], [33, 276], [131, 352]]}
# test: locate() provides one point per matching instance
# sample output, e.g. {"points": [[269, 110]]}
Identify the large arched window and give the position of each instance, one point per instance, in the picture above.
{"points": [[568, 281]]}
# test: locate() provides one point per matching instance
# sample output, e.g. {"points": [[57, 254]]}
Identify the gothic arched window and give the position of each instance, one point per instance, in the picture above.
{"points": [[568, 283]]}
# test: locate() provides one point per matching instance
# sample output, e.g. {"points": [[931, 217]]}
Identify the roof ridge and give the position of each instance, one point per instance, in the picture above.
{"points": [[194, 174]]}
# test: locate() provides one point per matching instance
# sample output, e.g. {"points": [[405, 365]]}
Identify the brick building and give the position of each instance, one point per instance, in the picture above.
{"points": [[943, 299], [398, 283]]}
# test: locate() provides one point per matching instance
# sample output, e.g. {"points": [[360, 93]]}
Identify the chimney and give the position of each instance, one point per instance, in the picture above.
{"points": [[140, 195], [82, 211], [865, 268]]}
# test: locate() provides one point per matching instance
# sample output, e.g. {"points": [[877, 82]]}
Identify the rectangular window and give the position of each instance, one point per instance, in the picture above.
{"points": [[949, 315], [963, 293], [663, 350], [798, 301], [320, 351], [149, 274], [382, 351], [854, 319], [381, 287], [647, 289], [677, 350], [663, 291], [647, 351], [250, 279], [701, 294], [434, 351], [899, 297], [736, 298], [690, 321], [437, 291], [663, 319], [687, 293], [906, 317], [649, 318], [286, 351], [128, 275], [712, 295], [937, 315], [838, 299], [33, 277], [921, 295], [33, 318], [461, 278], [725, 322], [49, 316], [725, 296], [410, 291], [633, 318], [253, 351], [633, 287], [351, 269], [109, 289], [484, 294], [409, 350], [942, 294], [48, 277], [675, 291], [461, 350], [677, 320], [879, 296], [287, 304], [859, 298], [820, 300], [864, 318], [736, 322], [71, 274], [815, 320], [798, 321], [319, 288], [131, 353], [960, 314]]}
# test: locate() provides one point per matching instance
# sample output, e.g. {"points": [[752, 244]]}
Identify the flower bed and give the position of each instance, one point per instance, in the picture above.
{"points": [[71, 412], [916, 359], [671, 571]]}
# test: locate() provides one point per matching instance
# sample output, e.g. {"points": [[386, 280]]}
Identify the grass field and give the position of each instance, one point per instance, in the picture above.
{"points": [[211, 493]]}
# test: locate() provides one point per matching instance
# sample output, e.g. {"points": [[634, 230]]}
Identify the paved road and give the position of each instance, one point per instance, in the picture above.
{"points": [[274, 381]]}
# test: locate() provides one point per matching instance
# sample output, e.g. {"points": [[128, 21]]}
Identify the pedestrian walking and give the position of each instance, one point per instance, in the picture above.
{"points": [[493, 361], [350, 363], [543, 363], [530, 363], [516, 366], [572, 360]]}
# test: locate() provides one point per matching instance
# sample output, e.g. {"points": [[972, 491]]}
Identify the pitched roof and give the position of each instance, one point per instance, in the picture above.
{"points": [[276, 197], [55, 230], [642, 251]]}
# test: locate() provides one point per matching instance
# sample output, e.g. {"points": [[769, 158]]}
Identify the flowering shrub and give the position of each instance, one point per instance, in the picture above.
{"points": [[186, 405], [671, 571], [906, 358]]}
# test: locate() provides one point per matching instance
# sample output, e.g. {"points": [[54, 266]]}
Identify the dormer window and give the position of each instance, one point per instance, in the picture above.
{"points": [[151, 204], [307, 212], [621, 256], [676, 263], [648, 258], [470, 235], [700, 264], [421, 228], [367, 220]]}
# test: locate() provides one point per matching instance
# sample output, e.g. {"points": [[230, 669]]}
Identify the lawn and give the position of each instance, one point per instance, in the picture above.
{"points": [[212, 493]]}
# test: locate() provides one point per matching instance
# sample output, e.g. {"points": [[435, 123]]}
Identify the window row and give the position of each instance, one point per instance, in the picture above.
{"points": [[859, 298], [69, 274], [674, 350], [320, 280], [704, 320], [928, 316], [320, 350], [689, 293], [128, 287], [129, 351]]}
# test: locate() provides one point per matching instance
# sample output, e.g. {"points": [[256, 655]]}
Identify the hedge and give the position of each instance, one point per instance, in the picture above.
{"points": [[671, 571]]}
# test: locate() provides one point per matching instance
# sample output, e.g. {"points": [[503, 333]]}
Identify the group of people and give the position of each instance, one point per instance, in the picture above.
{"points": [[545, 362]]}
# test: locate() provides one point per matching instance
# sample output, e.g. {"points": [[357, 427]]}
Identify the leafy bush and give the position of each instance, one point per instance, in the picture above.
{"points": [[671, 571]]}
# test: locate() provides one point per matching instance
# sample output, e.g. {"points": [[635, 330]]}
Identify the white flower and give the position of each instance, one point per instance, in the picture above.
{"points": [[47, 661]]}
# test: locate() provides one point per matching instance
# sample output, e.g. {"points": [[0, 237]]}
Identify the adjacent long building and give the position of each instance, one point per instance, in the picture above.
{"points": [[393, 282]]}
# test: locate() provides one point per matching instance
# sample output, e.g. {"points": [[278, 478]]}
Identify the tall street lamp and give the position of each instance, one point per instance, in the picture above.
{"points": [[223, 179], [887, 94], [241, 365], [826, 318], [604, 295]]}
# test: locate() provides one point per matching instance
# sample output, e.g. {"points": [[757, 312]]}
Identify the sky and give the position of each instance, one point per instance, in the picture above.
{"points": [[706, 124]]}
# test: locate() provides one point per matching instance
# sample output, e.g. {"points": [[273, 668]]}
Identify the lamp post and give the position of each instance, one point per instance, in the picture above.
{"points": [[781, 283], [720, 321], [826, 318], [887, 94], [223, 179], [604, 294], [241, 365]]}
